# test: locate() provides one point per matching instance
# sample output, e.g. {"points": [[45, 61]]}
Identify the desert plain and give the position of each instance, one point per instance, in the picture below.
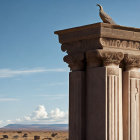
{"points": [[33, 135]]}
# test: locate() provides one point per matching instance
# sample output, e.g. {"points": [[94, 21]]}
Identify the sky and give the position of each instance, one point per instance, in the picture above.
{"points": [[34, 80]]}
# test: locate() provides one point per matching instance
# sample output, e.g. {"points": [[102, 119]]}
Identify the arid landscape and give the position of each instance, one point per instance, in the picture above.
{"points": [[33, 135]]}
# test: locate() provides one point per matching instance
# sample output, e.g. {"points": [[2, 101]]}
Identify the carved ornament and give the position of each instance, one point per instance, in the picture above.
{"points": [[131, 61], [122, 44], [112, 71], [75, 62], [111, 58], [105, 58]]}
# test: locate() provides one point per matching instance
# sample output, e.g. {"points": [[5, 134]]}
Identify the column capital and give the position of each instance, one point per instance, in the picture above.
{"points": [[103, 58], [72, 47], [75, 62], [132, 62]]}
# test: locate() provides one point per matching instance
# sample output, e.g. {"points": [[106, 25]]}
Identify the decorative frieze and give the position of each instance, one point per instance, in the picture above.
{"points": [[99, 115], [122, 44]]}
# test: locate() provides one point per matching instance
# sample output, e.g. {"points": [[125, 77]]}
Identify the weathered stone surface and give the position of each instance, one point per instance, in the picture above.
{"points": [[76, 62], [104, 103], [103, 36], [131, 105], [103, 58], [77, 105], [131, 61], [97, 54]]}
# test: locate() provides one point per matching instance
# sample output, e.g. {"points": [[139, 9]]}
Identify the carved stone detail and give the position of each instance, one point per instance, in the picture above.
{"points": [[131, 61], [105, 58], [135, 74], [75, 62], [122, 44], [113, 71], [111, 58]]}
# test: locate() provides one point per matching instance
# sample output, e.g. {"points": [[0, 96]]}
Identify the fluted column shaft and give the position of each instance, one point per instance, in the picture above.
{"points": [[104, 95], [98, 55], [131, 98]]}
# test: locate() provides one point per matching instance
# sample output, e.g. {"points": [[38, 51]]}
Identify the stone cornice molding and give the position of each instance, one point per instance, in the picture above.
{"points": [[105, 58], [99, 30], [104, 45], [131, 61], [75, 62]]}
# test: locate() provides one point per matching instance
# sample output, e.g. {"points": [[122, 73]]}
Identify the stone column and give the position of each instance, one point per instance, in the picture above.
{"points": [[77, 96], [94, 55], [104, 95], [131, 97]]}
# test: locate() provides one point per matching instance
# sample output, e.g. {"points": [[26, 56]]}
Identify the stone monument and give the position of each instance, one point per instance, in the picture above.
{"points": [[104, 81]]}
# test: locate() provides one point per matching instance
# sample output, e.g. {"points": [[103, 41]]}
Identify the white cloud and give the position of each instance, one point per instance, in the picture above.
{"points": [[18, 120], [9, 121], [1, 122], [39, 113], [8, 99], [57, 114], [5, 122], [40, 116], [5, 73]]}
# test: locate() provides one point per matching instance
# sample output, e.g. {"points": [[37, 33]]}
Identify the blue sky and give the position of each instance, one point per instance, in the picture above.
{"points": [[33, 76]]}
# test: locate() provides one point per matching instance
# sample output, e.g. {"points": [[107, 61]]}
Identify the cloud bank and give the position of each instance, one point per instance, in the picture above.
{"points": [[40, 116]]}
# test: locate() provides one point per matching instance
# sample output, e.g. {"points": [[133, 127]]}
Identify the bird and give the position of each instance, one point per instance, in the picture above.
{"points": [[104, 16]]}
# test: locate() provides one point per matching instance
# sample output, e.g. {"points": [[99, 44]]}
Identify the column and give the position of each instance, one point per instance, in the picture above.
{"points": [[104, 95], [77, 96], [131, 97]]}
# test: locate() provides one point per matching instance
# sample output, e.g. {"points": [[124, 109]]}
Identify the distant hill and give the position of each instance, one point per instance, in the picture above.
{"points": [[61, 127]]}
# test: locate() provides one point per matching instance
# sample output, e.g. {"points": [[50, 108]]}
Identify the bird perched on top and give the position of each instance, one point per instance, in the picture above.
{"points": [[105, 17]]}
